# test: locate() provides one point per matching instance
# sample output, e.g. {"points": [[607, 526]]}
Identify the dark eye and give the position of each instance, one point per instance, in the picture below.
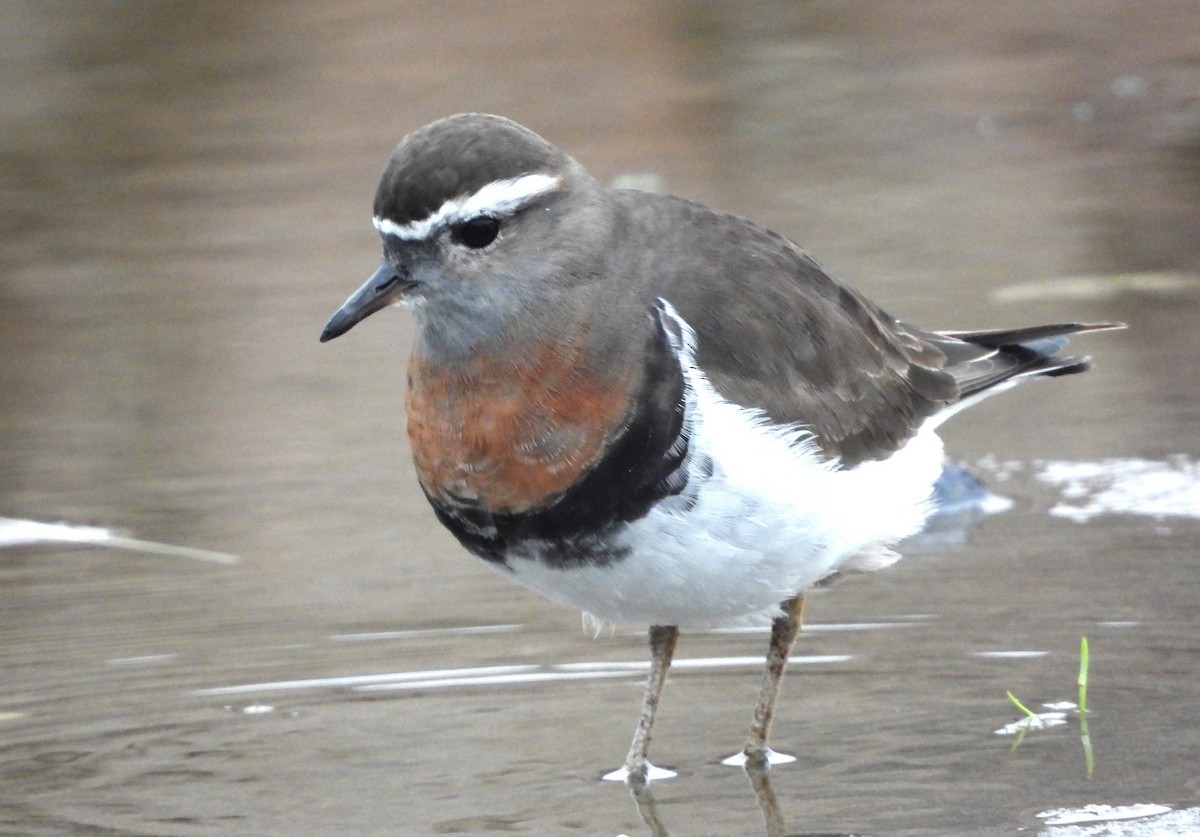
{"points": [[477, 232]]}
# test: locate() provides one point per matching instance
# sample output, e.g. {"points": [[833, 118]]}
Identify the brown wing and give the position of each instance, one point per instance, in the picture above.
{"points": [[775, 332]]}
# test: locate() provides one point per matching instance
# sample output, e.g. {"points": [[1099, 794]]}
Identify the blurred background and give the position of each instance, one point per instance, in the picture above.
{"points": [[186, 199]]}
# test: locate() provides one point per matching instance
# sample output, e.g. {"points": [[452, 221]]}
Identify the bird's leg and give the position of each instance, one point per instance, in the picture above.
{"points": [[784, 630], [663, 639]]}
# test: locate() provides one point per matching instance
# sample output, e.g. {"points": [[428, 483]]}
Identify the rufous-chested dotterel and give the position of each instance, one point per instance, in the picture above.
{"points": [[650, 410]]}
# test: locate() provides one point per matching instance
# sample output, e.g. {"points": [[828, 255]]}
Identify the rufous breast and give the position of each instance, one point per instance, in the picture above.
{"points": [[511, 433]]}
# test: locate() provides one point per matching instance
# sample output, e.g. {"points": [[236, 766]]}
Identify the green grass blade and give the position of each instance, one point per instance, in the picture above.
{"points": [[1020, 705], [1088, 756]]}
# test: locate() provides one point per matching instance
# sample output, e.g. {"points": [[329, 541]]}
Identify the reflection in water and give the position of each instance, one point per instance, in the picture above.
{"points": [[647, 807], [760, 782]]}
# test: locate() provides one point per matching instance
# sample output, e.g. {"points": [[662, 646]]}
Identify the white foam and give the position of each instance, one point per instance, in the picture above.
{"points": [[494, 680], [1012, 655], [144, 660], [1154, 488], [653, 774], [773, 757], [426, 633], [817, 627], [1040, 720], [1162, 823], [1100, 813], [15, 532]]}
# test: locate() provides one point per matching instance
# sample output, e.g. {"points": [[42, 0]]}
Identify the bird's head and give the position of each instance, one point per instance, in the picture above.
{"points": [[481, 220]]}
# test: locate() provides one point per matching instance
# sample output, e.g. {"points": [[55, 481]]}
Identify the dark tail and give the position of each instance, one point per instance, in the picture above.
{"points": [[979, 360]]}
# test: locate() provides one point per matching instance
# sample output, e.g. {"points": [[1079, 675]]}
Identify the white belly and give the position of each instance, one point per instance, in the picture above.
{"points": [[772, 520]]}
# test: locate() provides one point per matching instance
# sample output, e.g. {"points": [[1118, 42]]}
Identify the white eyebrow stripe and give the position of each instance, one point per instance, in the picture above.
{"points": [[500, 197]]}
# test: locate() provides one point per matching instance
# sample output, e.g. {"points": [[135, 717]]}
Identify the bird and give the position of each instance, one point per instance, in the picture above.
{"points": [[653, 411]]}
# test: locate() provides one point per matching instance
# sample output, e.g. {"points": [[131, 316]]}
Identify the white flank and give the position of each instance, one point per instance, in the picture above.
{"points": [[774, 518], [500, 197]]}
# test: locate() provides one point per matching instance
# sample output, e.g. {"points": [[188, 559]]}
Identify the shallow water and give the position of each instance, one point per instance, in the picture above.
{"points": [[187, 199]]}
